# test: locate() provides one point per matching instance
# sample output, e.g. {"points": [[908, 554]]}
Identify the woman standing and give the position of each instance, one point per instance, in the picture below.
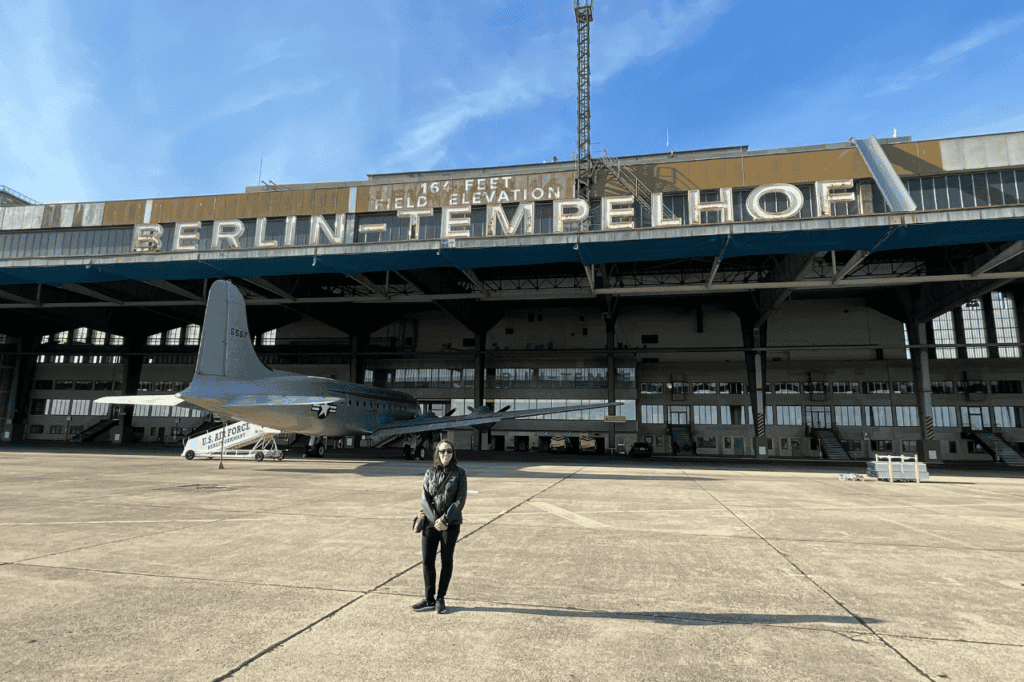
{"points": [[444, 496]]}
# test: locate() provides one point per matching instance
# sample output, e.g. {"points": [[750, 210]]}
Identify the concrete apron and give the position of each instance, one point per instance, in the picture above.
{"points": [[156, 568]]}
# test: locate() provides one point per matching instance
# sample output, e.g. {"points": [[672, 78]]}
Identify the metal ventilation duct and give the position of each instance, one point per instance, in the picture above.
{"points": [[888, 182]]}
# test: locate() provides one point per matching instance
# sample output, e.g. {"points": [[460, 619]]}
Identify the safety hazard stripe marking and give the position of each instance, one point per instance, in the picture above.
{"points": [[565, 514]]}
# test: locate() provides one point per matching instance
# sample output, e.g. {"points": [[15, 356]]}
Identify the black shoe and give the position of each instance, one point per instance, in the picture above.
{"points": [[439, 606], [424, 605]]}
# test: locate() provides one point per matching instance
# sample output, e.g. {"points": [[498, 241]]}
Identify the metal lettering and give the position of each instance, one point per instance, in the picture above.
{"points": [[658, 218], [523, 218], [724, 204], [146, 238], [219, 234], [609, 212], [186, 232], [414, 218], [826, 198], [795, 196], [579, 212], [455, 222], [261, 230], [318, 224]]}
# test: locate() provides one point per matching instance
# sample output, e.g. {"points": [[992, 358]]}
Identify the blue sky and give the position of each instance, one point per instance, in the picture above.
{"points": [[120, 100]]}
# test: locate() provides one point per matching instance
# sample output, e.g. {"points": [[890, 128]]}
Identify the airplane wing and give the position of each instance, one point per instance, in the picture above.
{"points": [[478, 417], [167, 399], [278, 400]]}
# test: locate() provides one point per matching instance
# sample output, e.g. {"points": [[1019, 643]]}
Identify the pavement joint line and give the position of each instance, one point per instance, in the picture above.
{"points": [[374, 590], [841, 605], [566, 514], [182, 577]]}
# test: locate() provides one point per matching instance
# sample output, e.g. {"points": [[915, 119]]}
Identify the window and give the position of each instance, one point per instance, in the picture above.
{"points": [[81, 335], [155, 339], [83, 385], [705, 414], [98, 337], [35, 428], [652, 414], [270, 338], [1006, 417], [63, 384], [852, 446], [787, 387], [38, 406], [44, 339], [970, 417], [59, 407], [789, 415], [1005, 386], [704, 387], [848, 415], [705, 442], [876, 386], [678, 414], [56, 429], [80, 407], [909, 446], [906, 415], [61, 337], [942, 328], [679, 388], [174, 337], [845, 387], [652, 388], [731, 388], [815, 387], [945, 387], [971, 386], [192, 335], [903, 387], [116, 340], [100, 409], [879, 415], [817, 417], [974, 329], [737, 414], [881, 445], [944, 416], [42, 384], [906, 340], [1006, 324]]}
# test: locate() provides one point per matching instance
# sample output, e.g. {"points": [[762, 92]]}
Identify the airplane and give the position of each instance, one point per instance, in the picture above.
{"points": [[230, 381]]}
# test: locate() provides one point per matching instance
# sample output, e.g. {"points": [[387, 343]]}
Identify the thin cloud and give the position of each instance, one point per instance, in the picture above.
{"points": [[942, 59], [977, 38], [237, 106], [543, 68]]}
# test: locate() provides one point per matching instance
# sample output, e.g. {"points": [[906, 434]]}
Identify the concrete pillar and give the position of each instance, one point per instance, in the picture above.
{"points": [[961, 336], [357, 362], [932, 353], [19, 389], [990, 324], [928, 449], [131, 371], [609, 328], [755, 380]]}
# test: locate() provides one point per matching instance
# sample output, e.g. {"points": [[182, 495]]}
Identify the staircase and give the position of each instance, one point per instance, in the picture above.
{"points": [[996, 446], [94, 430], [830, 444], [630, 182], [202, 428], [682, 435]]}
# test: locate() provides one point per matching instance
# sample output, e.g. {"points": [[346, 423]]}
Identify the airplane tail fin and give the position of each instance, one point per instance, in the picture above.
{"points": [[226, 347]]}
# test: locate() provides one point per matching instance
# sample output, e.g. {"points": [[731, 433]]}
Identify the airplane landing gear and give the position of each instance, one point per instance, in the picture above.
{"points": [[316, 447]]}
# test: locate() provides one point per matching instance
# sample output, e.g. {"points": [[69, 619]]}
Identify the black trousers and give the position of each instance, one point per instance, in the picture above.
{"points": [[431, 538]]}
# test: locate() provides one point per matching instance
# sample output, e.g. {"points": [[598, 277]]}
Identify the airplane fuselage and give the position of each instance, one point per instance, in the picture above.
{"points": [[359, 410]]}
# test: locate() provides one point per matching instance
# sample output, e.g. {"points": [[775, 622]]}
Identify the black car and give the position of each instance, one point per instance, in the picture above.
{"points": [[640, 449]]}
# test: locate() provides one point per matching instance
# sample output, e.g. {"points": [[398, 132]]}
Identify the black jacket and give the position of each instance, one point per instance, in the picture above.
{"points": [[448, 502]]}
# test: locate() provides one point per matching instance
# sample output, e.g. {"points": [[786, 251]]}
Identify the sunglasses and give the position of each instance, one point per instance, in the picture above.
{"points": [[445, 450]]}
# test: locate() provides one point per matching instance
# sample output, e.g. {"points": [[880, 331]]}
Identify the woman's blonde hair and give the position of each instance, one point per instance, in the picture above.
{"points": [[437, 457]]}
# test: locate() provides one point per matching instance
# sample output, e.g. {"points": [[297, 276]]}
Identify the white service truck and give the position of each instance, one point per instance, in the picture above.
{"points": [[238, 440]]}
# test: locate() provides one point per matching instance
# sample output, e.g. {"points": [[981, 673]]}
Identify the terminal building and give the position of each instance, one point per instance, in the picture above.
{"points": [[835, 301]]}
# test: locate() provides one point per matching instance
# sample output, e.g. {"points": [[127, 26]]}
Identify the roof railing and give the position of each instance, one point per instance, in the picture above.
{"points": [[7, 190]]}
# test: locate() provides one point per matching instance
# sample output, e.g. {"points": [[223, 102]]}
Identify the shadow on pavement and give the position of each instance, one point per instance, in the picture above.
{"points": [[678, 617]]}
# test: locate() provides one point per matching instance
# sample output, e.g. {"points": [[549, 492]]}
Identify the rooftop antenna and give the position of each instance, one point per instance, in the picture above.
{"points": [[671, 151]]}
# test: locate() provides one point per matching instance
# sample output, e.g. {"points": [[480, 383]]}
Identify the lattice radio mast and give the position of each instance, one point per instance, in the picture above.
{"points": [[584, 164]]}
